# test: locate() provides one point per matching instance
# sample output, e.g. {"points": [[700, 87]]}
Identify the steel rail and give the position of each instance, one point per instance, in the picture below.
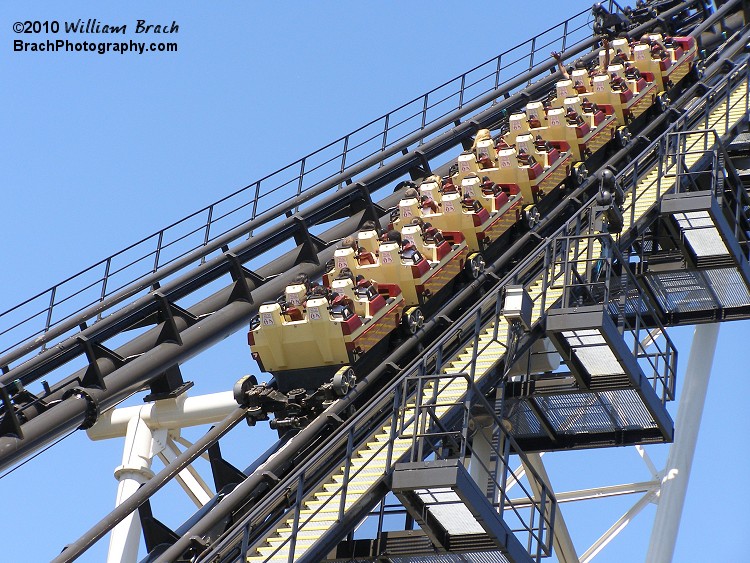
{"points": [[225, 508], [471, 127], [279, 210]]}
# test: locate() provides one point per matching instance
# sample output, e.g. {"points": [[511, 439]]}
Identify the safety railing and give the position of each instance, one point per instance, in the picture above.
{"points": [[311, 476], [135, 269], [664, 152], [594, 272], [434, 438], [716, 173]]}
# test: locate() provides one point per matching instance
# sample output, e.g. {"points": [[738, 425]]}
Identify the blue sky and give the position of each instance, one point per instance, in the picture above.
{"points": [[102, 150]]}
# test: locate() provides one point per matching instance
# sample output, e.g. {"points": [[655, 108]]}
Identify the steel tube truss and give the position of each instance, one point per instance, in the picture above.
{"points": [[158, 306], [473, 344], [638, 191]]}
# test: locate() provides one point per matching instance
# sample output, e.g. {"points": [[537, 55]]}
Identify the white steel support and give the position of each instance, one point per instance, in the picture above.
{"points": [[595, 493], [563, 543], [189, 479], [679, 462], [481, 447], [617, 527], [149, 431], [179, 412], [134, 471]]}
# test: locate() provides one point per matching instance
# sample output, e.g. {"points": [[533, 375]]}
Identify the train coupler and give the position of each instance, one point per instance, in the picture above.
{"points": [[295, 408]]}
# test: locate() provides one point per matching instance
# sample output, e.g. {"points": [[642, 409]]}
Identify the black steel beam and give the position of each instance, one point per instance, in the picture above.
{"points": [[381, 156], [591, 440]]}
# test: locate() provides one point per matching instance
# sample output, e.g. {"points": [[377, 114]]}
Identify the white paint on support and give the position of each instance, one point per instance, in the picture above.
{"points": [[152, 430], [179, 412], [594, 493], [562, 542], [189, 479], [647, 460], [481, 449], [134, 471], [680, 460], [618, 527]]}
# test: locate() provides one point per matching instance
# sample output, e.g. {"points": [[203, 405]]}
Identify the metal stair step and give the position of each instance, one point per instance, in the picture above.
{"points": [[354, 486], [328, 499], [275, 545], [308, 529], [264, 559]]}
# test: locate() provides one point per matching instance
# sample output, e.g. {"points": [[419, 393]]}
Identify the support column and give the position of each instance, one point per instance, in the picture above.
{"points": [[146, 430], [677, 471], [563, 543], [134, 471], [481, 458]]}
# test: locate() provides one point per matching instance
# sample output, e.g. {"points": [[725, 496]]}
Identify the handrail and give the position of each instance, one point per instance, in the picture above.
{"points": [[139, 266], [572, 226]]}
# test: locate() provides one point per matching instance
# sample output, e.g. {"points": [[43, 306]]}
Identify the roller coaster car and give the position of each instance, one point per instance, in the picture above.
{"points": [[421, 260], [306, 337], [479, 209], [535, 170], [579, 124], [629, 94], [668, 59]]}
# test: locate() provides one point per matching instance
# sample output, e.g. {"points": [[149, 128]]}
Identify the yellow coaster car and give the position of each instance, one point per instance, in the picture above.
{"points": [[420, 261], [668, 59], [478, 208], [531, 168], [578, 125], [322, 328]]}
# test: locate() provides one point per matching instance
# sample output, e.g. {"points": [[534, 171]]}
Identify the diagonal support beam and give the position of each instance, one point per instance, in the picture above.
{"points": [[189, 479], [310, 245], [167, 316], [617, 527], [94, 353]]}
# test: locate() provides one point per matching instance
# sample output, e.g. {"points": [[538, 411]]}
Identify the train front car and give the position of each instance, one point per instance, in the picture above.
{"points": [[311, 337]]}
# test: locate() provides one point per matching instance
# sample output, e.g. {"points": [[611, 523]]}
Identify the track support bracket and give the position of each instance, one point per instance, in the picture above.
{"points": [[310, 244], [95, 352]]}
